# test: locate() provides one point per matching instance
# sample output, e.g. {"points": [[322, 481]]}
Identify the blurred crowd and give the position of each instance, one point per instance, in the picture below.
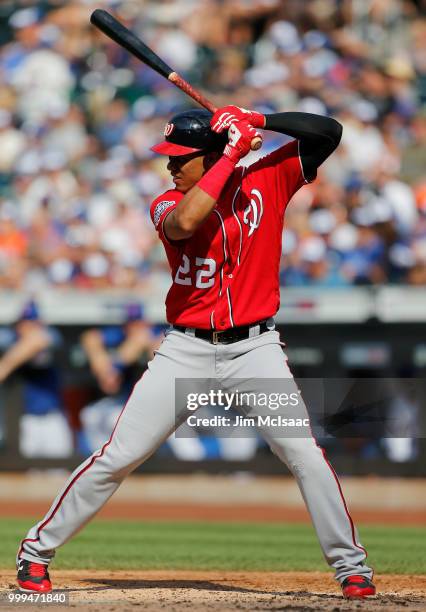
{"points": [[78, 116]]}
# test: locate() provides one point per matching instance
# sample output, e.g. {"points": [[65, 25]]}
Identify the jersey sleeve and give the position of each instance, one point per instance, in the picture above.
{"points": [[56, 339], [282, 168], [8, 337], [112, 336], [161, 207]]}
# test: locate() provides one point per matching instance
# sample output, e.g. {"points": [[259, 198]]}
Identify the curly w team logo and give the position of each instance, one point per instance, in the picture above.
{"points": [[254, 211], [169, 129], [160, 208]]}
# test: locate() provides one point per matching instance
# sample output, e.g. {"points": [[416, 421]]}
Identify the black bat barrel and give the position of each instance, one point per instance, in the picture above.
{"points": [[124, 37]]}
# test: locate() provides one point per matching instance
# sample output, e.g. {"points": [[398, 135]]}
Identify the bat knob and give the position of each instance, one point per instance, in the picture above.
{"points": [[256, 143]]}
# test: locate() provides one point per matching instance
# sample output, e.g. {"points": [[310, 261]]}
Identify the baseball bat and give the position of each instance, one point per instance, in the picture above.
{"points": [[115, 30]]}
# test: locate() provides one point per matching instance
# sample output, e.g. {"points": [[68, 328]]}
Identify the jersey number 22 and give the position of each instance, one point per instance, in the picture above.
{"points": [[204, 278]]}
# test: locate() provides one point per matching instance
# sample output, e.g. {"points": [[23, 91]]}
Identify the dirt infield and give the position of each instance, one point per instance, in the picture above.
{"points": [[222, 591], [224, 512], [222, 498]]}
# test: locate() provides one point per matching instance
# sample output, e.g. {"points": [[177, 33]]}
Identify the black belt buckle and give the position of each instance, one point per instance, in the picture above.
{"points": [[228, 336], [225, 336]]}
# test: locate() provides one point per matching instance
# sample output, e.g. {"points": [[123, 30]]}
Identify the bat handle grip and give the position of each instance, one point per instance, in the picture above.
{"points": [[180, 82], [255, 144]]}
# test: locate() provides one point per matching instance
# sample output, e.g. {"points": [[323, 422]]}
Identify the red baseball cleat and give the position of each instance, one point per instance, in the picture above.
{"points": [[33, 577], [357, 587]]}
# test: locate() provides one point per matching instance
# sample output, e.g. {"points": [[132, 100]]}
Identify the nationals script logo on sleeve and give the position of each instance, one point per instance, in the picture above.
{"points": [[160, 208]]}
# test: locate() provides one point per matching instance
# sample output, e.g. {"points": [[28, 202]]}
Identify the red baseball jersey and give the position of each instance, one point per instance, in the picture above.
{"points": [[227, 273]]}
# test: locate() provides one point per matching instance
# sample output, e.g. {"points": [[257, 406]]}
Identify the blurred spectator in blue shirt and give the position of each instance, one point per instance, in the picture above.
{"points": [[30, 350]]}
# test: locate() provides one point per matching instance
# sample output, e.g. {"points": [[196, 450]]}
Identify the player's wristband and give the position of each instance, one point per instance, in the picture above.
{"points": [[213, 181]]}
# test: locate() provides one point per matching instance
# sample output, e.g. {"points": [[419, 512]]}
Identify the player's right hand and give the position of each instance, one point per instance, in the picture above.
{"points": [[240, 136]]}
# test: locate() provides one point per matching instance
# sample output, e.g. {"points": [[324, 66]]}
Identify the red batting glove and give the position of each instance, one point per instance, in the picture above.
{"points": [[227, 115], [240, 135]]}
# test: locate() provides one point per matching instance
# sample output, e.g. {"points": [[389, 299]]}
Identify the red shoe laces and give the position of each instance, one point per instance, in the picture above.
{"points": [[36, 569], [359, 580]]}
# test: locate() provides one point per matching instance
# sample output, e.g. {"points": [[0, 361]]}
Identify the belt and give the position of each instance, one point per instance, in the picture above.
{"points": [[227, 336]]}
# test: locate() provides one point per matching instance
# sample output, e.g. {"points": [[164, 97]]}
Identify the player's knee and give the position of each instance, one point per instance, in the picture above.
{"points": [[115, 464], [301, 455]]}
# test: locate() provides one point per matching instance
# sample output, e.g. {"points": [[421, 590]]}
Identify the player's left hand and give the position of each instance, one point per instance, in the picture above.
{"points": [[225, 116]]}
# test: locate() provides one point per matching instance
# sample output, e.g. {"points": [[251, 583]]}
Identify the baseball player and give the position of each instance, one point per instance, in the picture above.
{"points": [[221, 226]]}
